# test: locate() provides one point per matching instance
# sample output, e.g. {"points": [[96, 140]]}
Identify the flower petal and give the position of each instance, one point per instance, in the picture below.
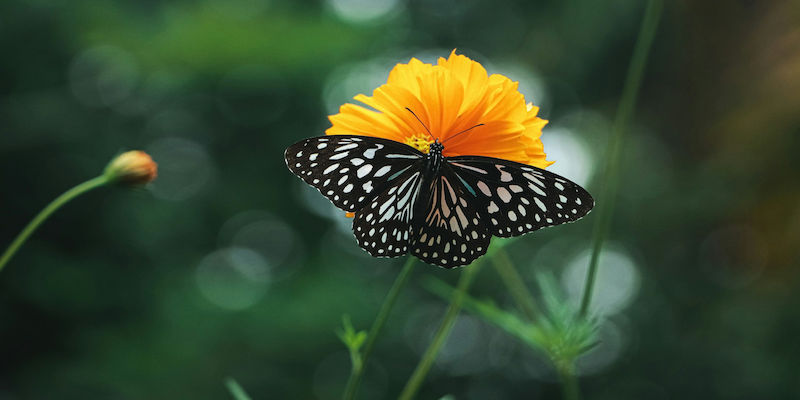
{"points": [[357, 120], [472, 75], [471, 112], [441, 94]]}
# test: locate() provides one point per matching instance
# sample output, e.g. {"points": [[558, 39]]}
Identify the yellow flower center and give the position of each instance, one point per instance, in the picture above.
{"points": [[420, 142]]}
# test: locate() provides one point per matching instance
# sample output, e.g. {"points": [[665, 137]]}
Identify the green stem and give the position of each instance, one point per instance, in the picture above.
{"points": [[413, 384], [236, 390], [383, 314], [569, 383], [611, 174], [515, 284], [46, 212]]}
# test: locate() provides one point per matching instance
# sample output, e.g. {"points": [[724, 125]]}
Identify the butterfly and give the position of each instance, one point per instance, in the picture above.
{"points": [[443, 210]]}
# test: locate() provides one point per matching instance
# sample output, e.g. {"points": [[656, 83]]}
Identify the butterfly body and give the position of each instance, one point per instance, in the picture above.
{"points": [[433, 160], [444, 210], [433, 164]]}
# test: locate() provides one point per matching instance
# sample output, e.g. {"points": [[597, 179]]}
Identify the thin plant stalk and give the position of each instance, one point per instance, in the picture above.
{"points": [[625, 110], [514, 283], [424, 365], [569, 383], [46, 212], [236, 390], [357, 371]]}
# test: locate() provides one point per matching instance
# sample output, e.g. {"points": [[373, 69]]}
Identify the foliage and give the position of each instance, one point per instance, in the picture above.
{"points": [[558, 331]]}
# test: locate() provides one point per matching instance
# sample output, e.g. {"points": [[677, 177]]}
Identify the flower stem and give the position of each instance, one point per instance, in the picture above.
{"points": [[569, 383], [383, 314], [424, 365], [514, 283], [46, 212], [611, 174]]}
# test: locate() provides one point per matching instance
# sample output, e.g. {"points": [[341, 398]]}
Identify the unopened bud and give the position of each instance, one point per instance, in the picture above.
{"points": [[131, 168]]}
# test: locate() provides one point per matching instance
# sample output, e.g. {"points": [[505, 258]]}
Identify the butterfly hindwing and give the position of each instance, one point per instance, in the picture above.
{"points": [[515, 198], [450, 232], [350, 170], [445, 215], [383, 226]]}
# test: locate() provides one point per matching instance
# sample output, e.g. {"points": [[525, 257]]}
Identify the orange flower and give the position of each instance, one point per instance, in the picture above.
{"points": [[450, 97], [131, 168]]}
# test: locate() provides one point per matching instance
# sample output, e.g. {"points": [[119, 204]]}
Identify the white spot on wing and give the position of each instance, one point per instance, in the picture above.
{"points": [[504, 194], [364, 170], [330, 169], [484, 188], [540, 204]]}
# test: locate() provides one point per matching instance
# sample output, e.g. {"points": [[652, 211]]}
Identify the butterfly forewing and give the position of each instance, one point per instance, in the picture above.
{"points": [[350, 170], [515, 198], [450, 232], [444, 215], [383, 226]]}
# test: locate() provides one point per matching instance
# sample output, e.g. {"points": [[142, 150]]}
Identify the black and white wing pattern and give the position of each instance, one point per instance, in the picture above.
{"points": [[515, 198], [450, 231], [445, 214], [383, 226], [350, 170]]}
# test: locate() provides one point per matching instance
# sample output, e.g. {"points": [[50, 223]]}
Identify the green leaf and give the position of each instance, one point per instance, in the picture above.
{"points": [[236, 390], [352, 339], [560, 333]]}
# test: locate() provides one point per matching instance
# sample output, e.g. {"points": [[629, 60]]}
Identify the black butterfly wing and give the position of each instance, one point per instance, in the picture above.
{"points": [[383, 226], [450, 231], [515, 198], [350, 170]]}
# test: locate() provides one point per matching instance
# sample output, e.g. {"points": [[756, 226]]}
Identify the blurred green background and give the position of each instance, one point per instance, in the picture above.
{"points": [[228, 265]]}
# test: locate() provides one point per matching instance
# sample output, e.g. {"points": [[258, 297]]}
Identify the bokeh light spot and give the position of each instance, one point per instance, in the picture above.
{"points": [[233, 278], [360, 11], [103, 76], [267, 234], [349, 80], [573, 159], [616, 284], [611, 342], [184, 168], [464, 352]]}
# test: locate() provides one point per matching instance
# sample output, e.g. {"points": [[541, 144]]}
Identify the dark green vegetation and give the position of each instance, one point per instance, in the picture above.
{"points": [[227, 267]]}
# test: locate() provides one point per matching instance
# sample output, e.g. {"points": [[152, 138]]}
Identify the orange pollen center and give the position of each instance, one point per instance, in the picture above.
{"points": [[420, 142]]}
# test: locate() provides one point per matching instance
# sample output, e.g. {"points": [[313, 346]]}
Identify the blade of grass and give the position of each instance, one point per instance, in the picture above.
{"points": [[357, 371], [236, 390], [424, 365], [627, 103], [514, 283]]}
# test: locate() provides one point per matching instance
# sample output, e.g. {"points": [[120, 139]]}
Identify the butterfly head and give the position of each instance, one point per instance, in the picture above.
{"points": [[436, 147]]}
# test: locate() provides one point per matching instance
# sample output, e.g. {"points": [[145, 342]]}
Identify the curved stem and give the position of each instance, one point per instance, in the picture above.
{"points": [[46, 212], [383, 314], [515, 284], [611, 174], [413, 384]]}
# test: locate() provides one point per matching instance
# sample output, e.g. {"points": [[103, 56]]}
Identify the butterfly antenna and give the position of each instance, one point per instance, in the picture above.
{"points": [[421, 123], [464, 131]]}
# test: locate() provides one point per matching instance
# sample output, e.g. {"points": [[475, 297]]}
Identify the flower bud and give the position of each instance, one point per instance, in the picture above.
{"points": [[131, 168]]}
